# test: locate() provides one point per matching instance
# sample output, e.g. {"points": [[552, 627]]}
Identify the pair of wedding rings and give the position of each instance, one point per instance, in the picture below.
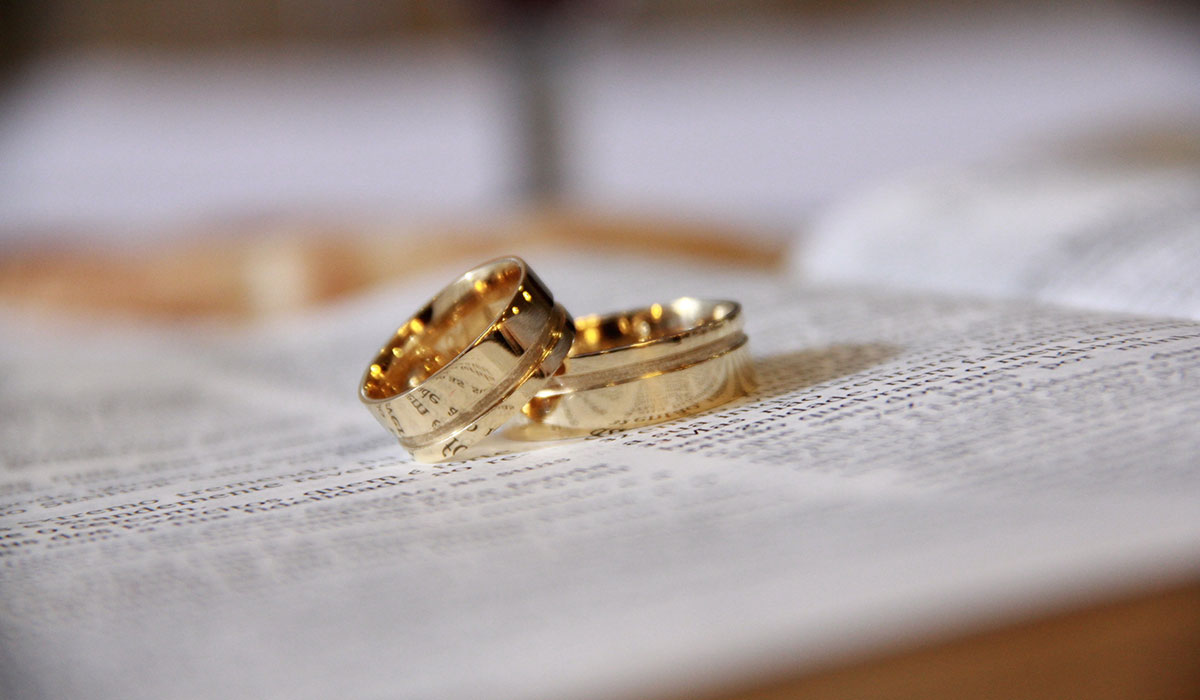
{"points": [[494, 346]]}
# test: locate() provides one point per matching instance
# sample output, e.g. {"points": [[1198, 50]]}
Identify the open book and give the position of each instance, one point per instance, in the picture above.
{"points": [[205, 512]]}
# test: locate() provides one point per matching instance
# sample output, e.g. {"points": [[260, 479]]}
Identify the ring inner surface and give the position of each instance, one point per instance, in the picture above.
{"points": [[608, 331], [444, 329]]}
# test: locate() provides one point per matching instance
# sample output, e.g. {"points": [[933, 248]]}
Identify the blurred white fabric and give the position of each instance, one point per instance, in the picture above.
{"points": [[137, 139], [764, 123], [750, 124]]}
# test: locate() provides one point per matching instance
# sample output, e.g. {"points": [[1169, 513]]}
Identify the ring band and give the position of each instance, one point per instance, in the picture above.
{"points": [[468, 361], [646, 366]]}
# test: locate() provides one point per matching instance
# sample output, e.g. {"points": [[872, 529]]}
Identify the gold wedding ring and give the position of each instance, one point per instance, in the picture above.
{"points": [[467, 362], [647, 365]]}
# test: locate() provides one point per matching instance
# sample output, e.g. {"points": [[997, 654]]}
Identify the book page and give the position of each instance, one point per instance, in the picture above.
{"points": [[1088, 231], [203, 512]]}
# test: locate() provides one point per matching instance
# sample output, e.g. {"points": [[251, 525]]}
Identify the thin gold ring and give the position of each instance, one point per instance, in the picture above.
{"points": [[645, 366], [468, 361]]}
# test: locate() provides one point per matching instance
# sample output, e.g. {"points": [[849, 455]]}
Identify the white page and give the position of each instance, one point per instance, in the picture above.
{"points": [[911, 464], [1094, 232]]}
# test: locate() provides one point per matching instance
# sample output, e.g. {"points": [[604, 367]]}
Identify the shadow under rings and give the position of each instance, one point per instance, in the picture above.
{"points": [[778, 375], [788, 372]]}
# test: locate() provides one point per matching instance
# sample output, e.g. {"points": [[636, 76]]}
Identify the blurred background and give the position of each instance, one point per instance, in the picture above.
{"points": [[152, 151]]}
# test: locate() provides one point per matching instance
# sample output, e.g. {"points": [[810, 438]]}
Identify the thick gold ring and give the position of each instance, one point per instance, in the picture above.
{"points": [[646, 366], [468, 361]]}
